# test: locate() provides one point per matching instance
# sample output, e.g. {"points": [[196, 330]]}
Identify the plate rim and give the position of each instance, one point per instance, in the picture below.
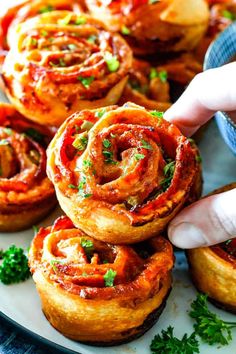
{"points": [[36, 338]]}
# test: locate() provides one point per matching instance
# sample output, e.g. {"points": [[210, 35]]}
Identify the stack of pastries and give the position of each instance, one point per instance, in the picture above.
{"points": [[73, 73]]}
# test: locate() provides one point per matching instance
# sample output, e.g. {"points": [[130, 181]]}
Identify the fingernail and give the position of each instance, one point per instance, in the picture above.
{"points": [[186, 235]]}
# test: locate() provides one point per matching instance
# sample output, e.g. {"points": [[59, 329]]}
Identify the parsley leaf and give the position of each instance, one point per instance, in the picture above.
{"points": [[100, 113], [167, 343], [109, 277], [112, 62], [211, 328], [87, 245], [125, 30], [168, 171], [146, 145], [14, 267], [106, 143], [139, 157], [86, 81], [45, 9]]}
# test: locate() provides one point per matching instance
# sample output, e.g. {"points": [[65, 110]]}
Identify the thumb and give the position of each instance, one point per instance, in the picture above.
{"points": [[207, 222]]}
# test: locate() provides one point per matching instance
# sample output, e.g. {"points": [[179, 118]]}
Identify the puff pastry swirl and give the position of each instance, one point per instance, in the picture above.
{"points": [[115, 180], [156, 26], [63, 62], [95, 292], [26, 194], [25, 9]]}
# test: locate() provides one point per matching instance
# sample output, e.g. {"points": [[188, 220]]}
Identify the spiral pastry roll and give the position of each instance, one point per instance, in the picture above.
{"points": [[147, 86], [87, 286], [154, 26], [150, 85], [124, 179], [26, 9], [63, 62], [26, 194], [213, 270], [222, 14]]}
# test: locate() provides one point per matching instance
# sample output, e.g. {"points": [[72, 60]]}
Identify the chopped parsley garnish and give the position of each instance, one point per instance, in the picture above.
{"points": [[8, 131], [109, 277], [54, 262], [153, 1], [101, 113], [106, 143], [86, 125], [35, 229], [198, 158], [92, 39], [80, 20], [139, 157], [4, 142], [210, 327], [166, 342], [161, 74], [80, 188], [168, 171], [229, 15], [87, 164], [14, 267], [109, 157], [65, 21], [44, 33], [86, 81], [192, 142], [146, 145], [125, 30], [87, 245], [112, 62], [35, 135], [71, 46], [81, 141], [158, 115], [32, 41], [61, 63], [45, 9]]}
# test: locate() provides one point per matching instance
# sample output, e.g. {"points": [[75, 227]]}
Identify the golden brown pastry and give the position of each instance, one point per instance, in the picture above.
{"points": [[213, 270], [25, 9], [61, 63], [26, 194], [149, 85], [222, 14], [127, 177], [154, 26], [95, 292]]}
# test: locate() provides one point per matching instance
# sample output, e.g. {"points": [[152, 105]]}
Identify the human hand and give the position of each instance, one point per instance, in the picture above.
{"points": [[210, 220]]}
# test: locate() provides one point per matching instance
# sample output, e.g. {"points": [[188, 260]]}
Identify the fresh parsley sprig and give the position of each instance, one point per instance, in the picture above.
{"points": [[14, 267], [210, 327], [168, 343]]}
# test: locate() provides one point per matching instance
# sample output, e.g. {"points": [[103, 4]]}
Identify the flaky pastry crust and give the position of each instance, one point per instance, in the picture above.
{"points": [[115, 180], [160, 26], [76, 297], [25, 9], [149, 85], [213, 270], [26, 194], [61, 63]]}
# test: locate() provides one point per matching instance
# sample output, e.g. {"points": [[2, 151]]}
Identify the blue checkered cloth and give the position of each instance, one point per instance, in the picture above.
{"points": [[221, 51]]}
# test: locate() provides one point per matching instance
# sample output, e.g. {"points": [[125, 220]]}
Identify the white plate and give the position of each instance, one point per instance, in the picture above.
{"points": [[21, 303]]}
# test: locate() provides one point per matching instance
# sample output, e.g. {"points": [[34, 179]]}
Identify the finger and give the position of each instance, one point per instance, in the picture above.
{"points": [[207, 222], [209, 92]]}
